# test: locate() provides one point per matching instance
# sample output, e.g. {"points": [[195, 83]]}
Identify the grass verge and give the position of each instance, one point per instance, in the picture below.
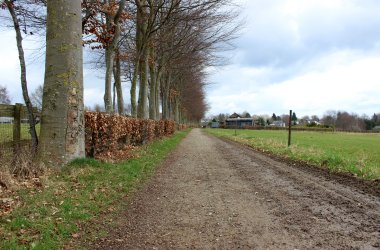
{"points": [[50, 215], [340, 152]]}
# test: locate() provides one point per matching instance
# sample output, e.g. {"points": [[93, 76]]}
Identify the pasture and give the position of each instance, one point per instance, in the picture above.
{"points": [[6, 132], [356, 153]]}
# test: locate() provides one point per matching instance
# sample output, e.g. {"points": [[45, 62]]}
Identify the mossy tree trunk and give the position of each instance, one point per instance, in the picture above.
{"points": [[109, 57], [143, 54], [119, 89], [62, 121]]}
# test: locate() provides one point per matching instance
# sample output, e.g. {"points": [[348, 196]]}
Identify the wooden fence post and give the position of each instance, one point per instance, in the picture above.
{"points": [[17, 127], [290, 128]]}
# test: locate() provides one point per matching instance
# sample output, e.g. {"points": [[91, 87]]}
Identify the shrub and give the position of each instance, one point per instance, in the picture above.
{"points": [[114, 137]]}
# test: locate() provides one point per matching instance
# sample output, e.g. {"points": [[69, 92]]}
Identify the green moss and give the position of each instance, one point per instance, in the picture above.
{"points": [[67, 78], [66, 46]]}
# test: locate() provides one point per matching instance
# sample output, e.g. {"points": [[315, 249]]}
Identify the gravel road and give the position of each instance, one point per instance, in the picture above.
{"points": [[213, 194]]}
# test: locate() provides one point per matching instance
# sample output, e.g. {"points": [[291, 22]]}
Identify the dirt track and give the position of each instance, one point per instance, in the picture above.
{"points": [[212, 194]]}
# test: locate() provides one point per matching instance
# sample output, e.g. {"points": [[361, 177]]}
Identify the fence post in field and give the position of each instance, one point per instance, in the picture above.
{"points": [[17, 127], [290, 128]]}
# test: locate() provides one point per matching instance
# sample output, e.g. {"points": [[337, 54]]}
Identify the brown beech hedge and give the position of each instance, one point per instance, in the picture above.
{"points": [[114, 137]]}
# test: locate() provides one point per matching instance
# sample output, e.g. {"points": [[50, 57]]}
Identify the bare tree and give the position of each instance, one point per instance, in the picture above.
{"points": [[159, 41], [10, 4], [112, 22], [36, 97], [329, 118], [315, 118], [285, 118], [187, 43], [349, 122], [4, 96], [102, 26]]}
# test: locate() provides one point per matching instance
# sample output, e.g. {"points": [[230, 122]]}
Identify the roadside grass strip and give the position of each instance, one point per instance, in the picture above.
{"points": [[356, 153], [51, 215]]}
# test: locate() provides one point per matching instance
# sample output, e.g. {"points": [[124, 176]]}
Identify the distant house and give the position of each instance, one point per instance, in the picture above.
{"points": [[215, 124], [314, 122], [6, 120], [236, 121], [278, 124], [377, 128]]}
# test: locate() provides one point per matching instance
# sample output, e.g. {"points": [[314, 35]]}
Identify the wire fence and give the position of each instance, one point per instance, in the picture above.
{"points": [[14, 130]]}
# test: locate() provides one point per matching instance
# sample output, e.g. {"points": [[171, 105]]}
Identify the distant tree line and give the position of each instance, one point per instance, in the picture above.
{"points": [[340, 120], [343, 120]]}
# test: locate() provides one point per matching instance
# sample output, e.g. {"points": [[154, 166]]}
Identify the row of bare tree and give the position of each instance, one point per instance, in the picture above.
{"points": [[162, 47], [343, 120]]}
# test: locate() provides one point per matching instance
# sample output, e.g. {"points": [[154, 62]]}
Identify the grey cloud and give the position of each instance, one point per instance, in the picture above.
{"points": [[274, 39], [355, 28]]}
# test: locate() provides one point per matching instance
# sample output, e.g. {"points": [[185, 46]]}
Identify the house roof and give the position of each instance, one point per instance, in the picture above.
{"points": [[235, 115], [239, 119]]}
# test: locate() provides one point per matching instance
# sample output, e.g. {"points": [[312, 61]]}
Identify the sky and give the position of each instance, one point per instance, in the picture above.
{"points": [[306, 55], [310, 56]]}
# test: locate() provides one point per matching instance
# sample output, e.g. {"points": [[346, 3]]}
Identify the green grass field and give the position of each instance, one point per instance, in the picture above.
{"points": [[6, 132], [356, 153]]}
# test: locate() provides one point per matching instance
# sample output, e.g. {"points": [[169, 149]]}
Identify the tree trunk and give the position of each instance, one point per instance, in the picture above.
{"points": [[165, 98], [165, 104], [171, 108], [24, 84], [142, 109], [157, 96], [153, 86], [110, 55], [108, 79], [133, 89], [119, 90], [139, 46], [176, 109], [114, 95], [143, 55], [62, 121]]}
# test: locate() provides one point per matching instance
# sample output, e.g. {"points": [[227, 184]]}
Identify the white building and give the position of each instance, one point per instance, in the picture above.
{"points": [[6, 120]]}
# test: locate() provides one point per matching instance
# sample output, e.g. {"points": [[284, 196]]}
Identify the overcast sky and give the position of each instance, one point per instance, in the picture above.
{"points": [[306, 55]]}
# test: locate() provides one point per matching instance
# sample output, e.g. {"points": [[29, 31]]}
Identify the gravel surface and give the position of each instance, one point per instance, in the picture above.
{"points": [[213, 194]]}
